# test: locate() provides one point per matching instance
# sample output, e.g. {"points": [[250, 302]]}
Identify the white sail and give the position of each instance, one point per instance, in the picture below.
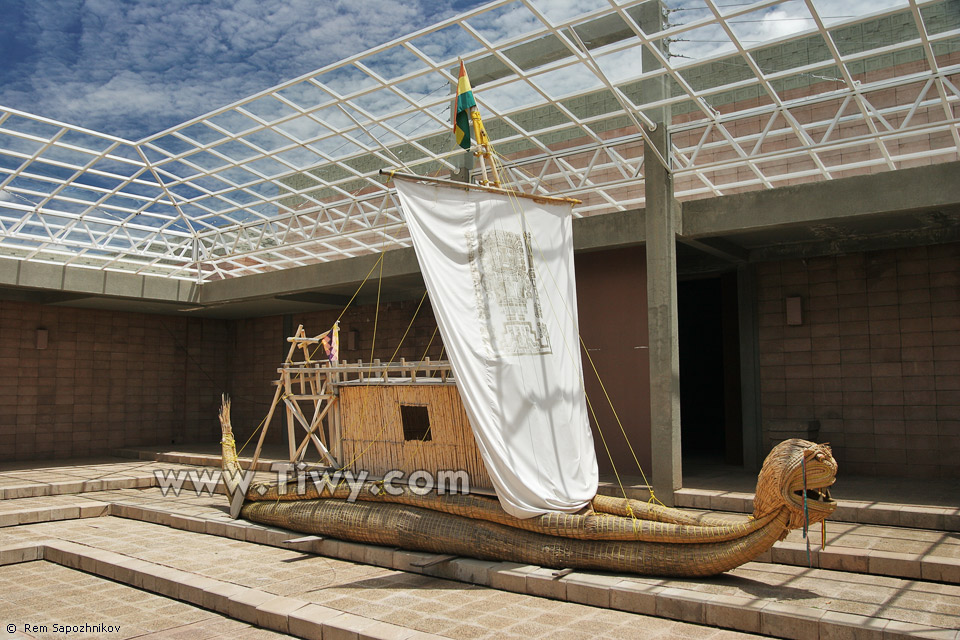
{"points": [[501, 281]]}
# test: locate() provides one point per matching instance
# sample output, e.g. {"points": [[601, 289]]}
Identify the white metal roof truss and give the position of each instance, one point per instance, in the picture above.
{"points": [[288, 177]]}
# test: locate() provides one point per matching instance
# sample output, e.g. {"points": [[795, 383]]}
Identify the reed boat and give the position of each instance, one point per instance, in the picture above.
{"points": [[490, 453]]}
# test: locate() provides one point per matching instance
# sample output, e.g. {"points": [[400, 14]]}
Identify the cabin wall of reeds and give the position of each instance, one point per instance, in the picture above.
{"points": [[261, 345], [408, 427]]}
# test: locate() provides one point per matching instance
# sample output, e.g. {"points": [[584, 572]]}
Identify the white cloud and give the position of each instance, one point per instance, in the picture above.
{"points": [[134, 68], [561, 10], [131, 69], [761, 26]]}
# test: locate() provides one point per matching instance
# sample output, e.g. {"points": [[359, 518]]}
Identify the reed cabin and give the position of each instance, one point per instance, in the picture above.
{"points": [[380, 417]]}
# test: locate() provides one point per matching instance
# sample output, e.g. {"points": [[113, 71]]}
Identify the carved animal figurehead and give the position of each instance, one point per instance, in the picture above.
{"points": [[790, 467]]}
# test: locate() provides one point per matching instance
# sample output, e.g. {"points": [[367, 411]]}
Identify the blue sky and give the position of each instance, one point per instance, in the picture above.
{"points": [[132, 68], [137, 67]]}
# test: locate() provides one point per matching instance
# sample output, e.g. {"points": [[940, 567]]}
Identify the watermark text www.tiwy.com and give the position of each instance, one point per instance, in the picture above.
{"points": [[297, 480]]}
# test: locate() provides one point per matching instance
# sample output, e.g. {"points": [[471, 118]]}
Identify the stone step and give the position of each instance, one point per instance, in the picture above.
{"points": [[192, 458], [897, 552], [836, 558], [860, 512], [756, 598], [142, 478], [266, 610], [854, 511], [28, 511], [33, 489]]}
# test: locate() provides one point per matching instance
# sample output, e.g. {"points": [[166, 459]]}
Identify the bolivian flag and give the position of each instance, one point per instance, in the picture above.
{"points": [[465, 102]]}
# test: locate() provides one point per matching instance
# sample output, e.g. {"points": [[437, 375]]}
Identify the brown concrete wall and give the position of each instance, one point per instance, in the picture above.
{"points": [[110, 379], [876, 360], [106, 380], [612, 301]]}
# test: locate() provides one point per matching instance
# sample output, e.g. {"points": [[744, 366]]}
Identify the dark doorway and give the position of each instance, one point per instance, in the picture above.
{"points": [[710, 418]]}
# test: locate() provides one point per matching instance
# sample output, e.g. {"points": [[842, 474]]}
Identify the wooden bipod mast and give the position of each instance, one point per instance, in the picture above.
{"points": [[306, 382], [484, 151]]}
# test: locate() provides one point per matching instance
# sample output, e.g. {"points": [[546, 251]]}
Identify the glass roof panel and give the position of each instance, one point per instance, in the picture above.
{"points": [[47, 170], [85, 140], [393, 63], [772, 23], [71, 157], [173, 145], [558, 11], [19, 145], [346, 80], [300, 157], [204, 160], [202, 133], [505, 22], [303, 128], [509, 97], [756, 97], [267, 108], [418, 123], [567, 81], [268, 167], [233, 121], [30, 126], [235, 150], [306, 95], [448, 43], [117, 167], [381, 103], [834, 12], [267, 140], [704, 42], [875, 34], [619, 66]]}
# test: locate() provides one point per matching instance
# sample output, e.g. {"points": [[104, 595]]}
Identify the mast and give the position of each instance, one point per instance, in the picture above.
{"points": [[483, 150], [466, 114]]}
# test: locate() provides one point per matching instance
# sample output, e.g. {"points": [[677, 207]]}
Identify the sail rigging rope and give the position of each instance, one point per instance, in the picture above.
{"points": [[376, 316]]}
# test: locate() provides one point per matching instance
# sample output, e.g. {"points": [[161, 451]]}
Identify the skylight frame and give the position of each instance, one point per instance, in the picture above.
{"points": [[239, 217]]}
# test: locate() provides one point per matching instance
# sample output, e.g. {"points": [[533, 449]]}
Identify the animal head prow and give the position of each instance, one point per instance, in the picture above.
{"points": [[797, 474]]}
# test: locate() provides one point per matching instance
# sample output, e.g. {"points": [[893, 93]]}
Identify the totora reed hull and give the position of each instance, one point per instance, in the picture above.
{"points": [[613, 535]]}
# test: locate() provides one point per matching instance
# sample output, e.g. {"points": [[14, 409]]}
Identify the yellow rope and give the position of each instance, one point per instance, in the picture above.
{"points": [[376, 317], [286, 395], [410, 324], [616, 416], [429, 344], [355, 294], [440, 357]]}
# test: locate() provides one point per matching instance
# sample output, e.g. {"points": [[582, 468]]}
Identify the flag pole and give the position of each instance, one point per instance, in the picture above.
{"points": [[483, 149], [466, 114]]}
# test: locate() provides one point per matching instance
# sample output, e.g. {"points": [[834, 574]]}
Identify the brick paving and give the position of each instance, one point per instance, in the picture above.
{"points": [[876, 581], [42, 595], [422, 603]]}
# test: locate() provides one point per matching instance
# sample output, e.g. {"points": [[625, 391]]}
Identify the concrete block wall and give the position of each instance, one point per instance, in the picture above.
{"points": [[105, 380], [876, 359]]}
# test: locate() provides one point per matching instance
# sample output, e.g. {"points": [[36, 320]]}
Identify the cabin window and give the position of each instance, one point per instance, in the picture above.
{"points": [[416, 422]]}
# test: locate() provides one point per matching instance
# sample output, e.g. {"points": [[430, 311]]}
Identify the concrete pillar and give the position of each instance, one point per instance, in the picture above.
{"points": [[662, 225]]}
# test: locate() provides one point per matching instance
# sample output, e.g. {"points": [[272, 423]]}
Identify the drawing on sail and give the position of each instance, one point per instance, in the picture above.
{"points": [[505, 283]]}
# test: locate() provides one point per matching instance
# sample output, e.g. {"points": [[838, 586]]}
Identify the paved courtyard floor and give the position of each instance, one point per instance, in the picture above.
{"points": [[98, 543]]}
